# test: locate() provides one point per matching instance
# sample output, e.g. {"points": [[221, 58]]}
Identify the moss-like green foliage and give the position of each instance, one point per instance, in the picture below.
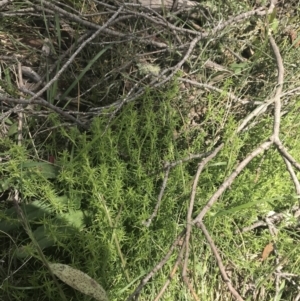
{"points": [[87, 210]]}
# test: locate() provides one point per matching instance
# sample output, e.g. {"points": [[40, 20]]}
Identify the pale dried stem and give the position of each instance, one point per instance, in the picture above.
{"points": [[225, 277], [293, 175], [213, 88], [158, 267], [286, 154], [171, 275], [44, 103], [73, 56], [187, 159], [264, 146], [189, 222], [276, 127], [161, 193]]}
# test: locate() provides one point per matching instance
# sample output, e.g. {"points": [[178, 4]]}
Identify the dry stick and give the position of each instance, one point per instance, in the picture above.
{"points": [[190, 212], [93, 25], [276, 99], [216, 29], [264, 146], [192, 291], [274, 219], [163, 22], [71, 59], [261, 11], [161, 80], [198, 220], [20, 114], [256, 112], [278, 143], [161, 193], [34, 100], [21, 12], [3, 2], [64, 55], [239, 18], [36, 8], [293, 175], [251, 227], [297, 297], [188, 158], [276, 129], [219, 261], [286, 154], [175, 267], [15, 109], [167, 168], [260, 149], [276, 138], [280, 77], [292, 92], [31, 11], [156, 268], [44, 103], [212, 88]]}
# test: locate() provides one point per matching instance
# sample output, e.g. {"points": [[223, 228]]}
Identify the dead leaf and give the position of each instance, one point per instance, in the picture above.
{"points": [[79, 281], [293, 36], [269, 248]]}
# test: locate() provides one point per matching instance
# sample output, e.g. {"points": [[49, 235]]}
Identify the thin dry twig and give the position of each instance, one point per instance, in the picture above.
{"points": [[201, 166], [286, 154], [20, 114], [213, 88], [158, 267], [92, 25], [71, 59], [293, 175], [4, 2], [85, 36], [161, 193], [264, 146], [276, 127], [280, 80], [44, 103], [225, 277], [288, 159], [163, 77], [187, 159], [172, 273], [275, 218]]}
